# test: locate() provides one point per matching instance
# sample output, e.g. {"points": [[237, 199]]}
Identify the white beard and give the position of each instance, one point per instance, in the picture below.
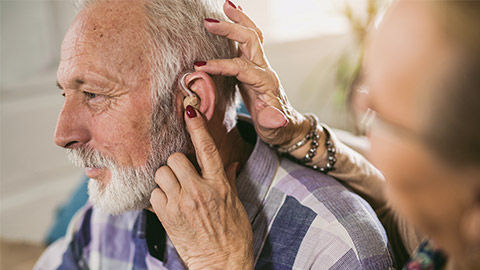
{"points": [[130, 188]]}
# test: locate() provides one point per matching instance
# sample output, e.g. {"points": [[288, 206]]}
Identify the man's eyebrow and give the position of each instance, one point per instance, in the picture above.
{"points": [[77, 81]]}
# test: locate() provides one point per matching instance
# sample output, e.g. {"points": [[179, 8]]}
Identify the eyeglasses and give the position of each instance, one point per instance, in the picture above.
{"points": [[371, 121]]}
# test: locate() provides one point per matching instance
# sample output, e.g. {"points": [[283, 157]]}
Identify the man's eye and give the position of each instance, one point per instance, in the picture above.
{"points": [[90, 95]]}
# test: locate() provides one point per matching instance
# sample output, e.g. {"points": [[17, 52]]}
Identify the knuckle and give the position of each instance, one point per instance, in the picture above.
{"points": [[196, 193], [175, 158], [197, 126], [208, 147], [161, 171], [253, 35], [189, 204], [215, 171], [223, 190], [155, 196], [240, 63]]}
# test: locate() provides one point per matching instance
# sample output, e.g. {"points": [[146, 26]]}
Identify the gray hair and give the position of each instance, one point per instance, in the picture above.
{"points": [[177, 39]]}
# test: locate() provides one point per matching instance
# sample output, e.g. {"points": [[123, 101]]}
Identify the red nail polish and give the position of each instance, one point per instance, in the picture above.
{"points": [[191, 112], [232, 4], [200, 63], [212, 20]]}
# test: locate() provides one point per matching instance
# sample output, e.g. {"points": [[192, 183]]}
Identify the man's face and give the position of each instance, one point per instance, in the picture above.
{"points": [[404, 58], [106, 119]]}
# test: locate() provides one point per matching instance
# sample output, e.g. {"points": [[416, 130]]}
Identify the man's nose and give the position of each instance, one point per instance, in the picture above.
{"points": [[71, 131]]}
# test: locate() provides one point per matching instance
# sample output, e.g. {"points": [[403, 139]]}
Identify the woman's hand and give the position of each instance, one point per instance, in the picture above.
{"points": [[276, 121], [201, 213]]}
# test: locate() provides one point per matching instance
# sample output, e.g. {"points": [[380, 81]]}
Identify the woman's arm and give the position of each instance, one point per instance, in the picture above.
{"points": [[278, 123]]}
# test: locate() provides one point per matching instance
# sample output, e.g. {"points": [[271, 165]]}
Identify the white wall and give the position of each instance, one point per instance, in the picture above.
{"points": [[34, 173]]}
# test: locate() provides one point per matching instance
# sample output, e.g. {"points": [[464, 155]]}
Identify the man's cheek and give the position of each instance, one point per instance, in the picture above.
{"points": [[128, 143]]}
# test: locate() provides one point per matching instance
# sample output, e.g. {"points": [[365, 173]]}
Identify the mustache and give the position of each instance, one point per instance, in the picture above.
{"points": [[88, 157]]}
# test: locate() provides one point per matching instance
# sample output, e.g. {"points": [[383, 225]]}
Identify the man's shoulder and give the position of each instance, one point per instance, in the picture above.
{"points": [[302, 183], [91, 232], [334, 222]]}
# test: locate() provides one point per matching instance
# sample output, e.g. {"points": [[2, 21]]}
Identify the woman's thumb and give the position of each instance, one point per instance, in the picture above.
{"points": [[271, 118]]}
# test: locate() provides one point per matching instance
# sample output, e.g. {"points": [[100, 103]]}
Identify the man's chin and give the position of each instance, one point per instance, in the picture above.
{"points": [[101, 175], [120, 194]]}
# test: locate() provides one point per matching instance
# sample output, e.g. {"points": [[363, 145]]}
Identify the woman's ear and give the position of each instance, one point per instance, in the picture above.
{"points": [[470, 222], [203, 86]]}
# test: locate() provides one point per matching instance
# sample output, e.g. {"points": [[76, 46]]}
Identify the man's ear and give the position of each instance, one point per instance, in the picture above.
{"points": [[203, 86]]}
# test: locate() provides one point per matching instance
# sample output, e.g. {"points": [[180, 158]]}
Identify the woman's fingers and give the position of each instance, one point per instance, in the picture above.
{"points": [[247, 38], [182, 168], [237, 15], [242, 69], [158, 200], [207, 154], [167, 182]]}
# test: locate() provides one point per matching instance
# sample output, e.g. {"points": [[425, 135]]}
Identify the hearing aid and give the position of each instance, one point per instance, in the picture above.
{"points": [[191, 98]]}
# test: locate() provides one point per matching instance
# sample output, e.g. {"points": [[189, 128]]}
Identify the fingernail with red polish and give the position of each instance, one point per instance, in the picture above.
{"points": [[191, 112], [232, 4], [212, 20], [200, 63]]}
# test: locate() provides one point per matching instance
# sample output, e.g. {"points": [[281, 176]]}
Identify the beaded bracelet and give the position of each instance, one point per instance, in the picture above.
{"points": [[331, 151], [314, 135]]}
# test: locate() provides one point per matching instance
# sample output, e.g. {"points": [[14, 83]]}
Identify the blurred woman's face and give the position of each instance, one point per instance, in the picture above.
{"points": [[405, 55]]}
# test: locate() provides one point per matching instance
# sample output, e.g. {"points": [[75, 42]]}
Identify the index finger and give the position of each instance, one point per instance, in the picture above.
{"points": [[237, 15], [208, 157]]}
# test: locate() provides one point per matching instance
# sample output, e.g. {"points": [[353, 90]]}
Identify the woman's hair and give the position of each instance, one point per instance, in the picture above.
{"points": [[453, 129]]}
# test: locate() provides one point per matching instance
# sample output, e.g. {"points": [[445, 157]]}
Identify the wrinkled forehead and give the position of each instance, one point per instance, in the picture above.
{"points": [[112, 31]]}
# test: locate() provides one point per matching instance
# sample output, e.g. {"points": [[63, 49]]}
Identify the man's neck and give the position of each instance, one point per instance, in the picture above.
{"points": [[233, 148]]}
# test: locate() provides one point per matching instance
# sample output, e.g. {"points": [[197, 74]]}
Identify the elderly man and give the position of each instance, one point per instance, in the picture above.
{"points": [[122, 118]]}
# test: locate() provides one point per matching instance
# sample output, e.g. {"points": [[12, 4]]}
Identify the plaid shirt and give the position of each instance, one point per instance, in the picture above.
{"points": [[301, 219]]}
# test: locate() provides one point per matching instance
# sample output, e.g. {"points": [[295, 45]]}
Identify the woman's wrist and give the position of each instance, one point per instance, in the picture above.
{"points": [[321, 150], [299, 128]]}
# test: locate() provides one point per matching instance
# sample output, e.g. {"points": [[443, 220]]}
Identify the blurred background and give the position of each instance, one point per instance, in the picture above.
{"points": [[314, 45]]}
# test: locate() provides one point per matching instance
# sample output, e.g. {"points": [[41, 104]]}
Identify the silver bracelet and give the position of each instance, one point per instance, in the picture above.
{"points": [[302, 142]]}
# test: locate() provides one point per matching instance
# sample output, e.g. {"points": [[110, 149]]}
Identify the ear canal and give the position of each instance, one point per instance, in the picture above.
{"points": [[193, 101]]}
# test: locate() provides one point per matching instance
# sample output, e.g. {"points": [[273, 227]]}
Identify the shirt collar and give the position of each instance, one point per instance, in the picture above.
{"points": [[256, 176]]}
